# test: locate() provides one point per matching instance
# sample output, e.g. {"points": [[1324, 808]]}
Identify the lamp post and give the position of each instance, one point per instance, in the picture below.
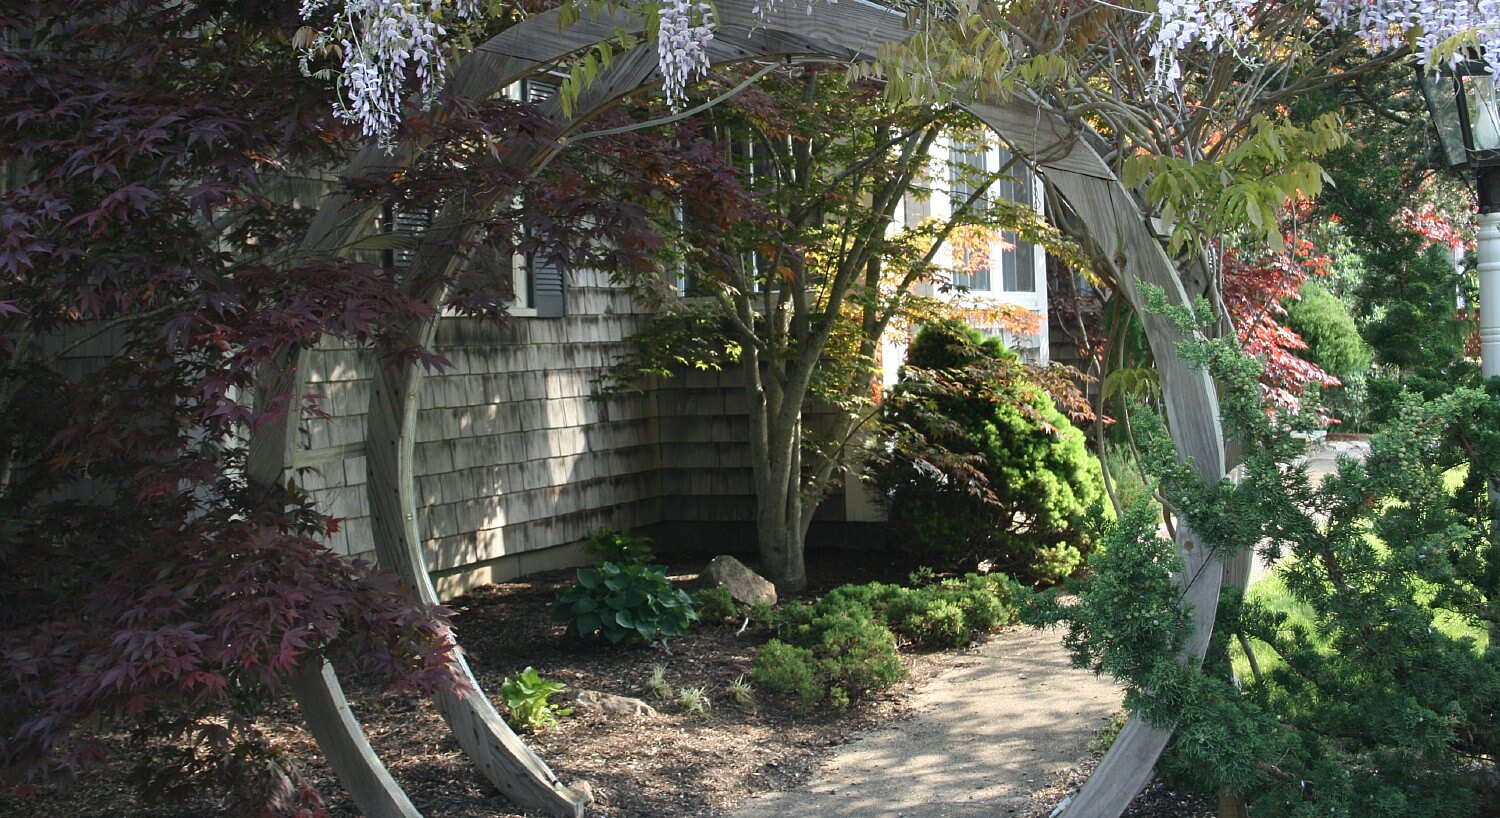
{"points": [[1465, 106]]}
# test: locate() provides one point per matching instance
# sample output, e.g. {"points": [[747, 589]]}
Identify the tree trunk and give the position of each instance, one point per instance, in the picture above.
{"points": [[1232, 805], [776, 471]]}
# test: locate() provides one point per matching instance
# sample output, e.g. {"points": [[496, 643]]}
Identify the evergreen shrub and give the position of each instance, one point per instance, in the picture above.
{"points": [[1378, 699], [787, 670], [1326, 324], [843, 647], [982, 465], [715, 604]]}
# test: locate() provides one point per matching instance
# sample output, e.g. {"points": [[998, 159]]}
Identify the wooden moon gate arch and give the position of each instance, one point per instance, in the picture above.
{"points": [[851, 29]]}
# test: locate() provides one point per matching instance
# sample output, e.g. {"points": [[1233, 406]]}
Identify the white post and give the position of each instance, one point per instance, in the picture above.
{"points": [[1488, 257]]}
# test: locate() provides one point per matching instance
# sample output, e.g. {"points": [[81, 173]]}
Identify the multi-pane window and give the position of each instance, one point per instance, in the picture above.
{"points": [[967, 168], [1018, 259], [1012, 261]]}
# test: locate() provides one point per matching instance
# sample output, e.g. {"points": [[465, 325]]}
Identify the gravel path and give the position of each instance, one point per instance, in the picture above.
{"points": [[989, 731]]}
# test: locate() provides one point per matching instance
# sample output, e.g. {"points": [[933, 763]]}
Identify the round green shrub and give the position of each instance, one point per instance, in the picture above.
{"points": [[787, 670], [1333, 340], [983, 466]]}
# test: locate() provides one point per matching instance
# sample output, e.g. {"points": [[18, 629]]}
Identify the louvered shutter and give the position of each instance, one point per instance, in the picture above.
{"points": [[537, 92], [549, 288], [411, 221]]}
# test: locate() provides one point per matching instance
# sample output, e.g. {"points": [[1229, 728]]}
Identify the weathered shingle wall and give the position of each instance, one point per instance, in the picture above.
{"points": [[511, 456], [705, 448]]}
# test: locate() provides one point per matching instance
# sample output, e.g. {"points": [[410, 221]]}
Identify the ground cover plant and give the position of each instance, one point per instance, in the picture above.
{"points": [[844, 646]]}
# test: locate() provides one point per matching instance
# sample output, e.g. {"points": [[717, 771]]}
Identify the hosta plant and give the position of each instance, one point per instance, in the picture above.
{"points": [[526, 701], [618, 602]]}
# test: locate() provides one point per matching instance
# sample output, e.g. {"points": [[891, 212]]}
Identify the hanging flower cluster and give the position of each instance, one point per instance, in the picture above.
{"points": [[1441, 29], [1182, 24], [1437, 25], [384, 45], [684, 30]]}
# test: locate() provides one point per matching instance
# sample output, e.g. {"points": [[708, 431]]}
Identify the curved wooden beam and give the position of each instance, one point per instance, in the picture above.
{"points": [[315, 684], [1121, 237]]}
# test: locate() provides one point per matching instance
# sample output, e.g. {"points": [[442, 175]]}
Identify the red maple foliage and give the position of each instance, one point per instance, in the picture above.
{"points": [[152, 152], [1254, 289]]}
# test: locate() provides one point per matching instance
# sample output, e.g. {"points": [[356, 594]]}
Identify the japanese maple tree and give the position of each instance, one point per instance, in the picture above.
{"points": [[159, 162], [1255, 287]]}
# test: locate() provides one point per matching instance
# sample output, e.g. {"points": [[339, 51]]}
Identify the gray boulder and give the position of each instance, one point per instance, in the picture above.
{"points": [[611, 705], [744, 585]]}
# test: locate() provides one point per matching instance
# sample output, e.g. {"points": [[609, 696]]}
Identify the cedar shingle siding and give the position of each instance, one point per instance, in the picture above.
{"points": [[512, 457]]}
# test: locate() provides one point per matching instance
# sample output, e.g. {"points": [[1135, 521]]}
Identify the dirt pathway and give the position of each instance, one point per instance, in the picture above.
{"points": [[988, 731]]}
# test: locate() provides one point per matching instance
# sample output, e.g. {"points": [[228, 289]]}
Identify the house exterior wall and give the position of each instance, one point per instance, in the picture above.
{"points": [[515, 462], [512, 457]]}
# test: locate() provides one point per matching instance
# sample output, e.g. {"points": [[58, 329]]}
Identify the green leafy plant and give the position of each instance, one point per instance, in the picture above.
{"points": [[616, 602], [618, 546], [657, 684], [716, 604], [525, 697], [694, 701]]}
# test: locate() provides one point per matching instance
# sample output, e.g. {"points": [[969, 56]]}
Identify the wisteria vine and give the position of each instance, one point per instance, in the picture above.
{"points": [[684, 30], [387, 46]]}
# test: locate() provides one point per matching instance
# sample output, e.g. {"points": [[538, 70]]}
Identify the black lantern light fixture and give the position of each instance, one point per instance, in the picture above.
{"points": [[1465, 109], [1465, 106]]}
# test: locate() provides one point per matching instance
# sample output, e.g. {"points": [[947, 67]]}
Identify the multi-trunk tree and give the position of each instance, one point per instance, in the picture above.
{"points": [[806, 267]]}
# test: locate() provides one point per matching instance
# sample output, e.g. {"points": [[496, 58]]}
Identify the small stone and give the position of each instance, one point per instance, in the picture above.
{"points": [[744, 585], [611, 705]]}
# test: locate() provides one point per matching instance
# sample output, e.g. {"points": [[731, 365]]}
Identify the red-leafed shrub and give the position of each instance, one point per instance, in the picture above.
{"points": [[159, 165], [1254, 289]]}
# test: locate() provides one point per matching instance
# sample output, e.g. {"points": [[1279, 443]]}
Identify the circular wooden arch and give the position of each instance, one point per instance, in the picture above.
{"points": [[1116, 229]]}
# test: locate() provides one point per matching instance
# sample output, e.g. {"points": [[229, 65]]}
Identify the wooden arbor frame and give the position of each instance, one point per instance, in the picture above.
{"points": [[1116, 229]]}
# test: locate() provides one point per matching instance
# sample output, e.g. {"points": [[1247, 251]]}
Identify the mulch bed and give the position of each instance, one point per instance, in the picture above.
{"points": [[672, 766], [669, 766]]}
